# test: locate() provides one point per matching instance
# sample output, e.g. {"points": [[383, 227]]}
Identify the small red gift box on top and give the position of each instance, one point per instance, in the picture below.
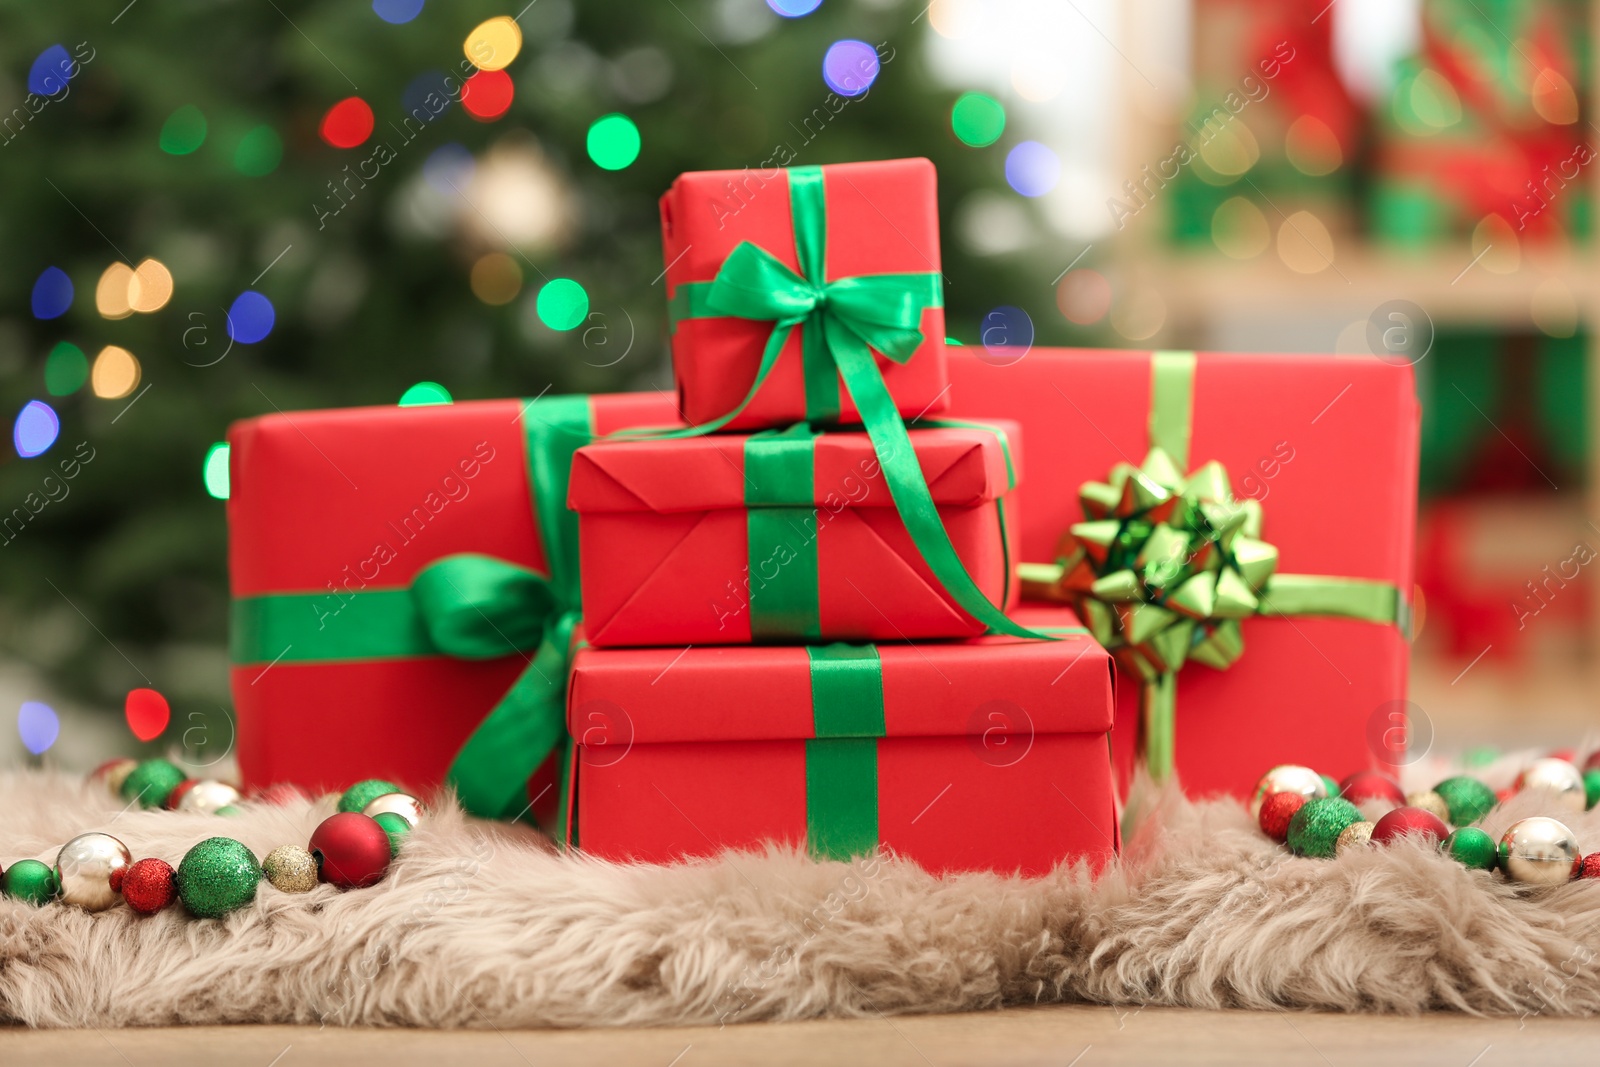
{"points": [[854, 243], [986, 754], [788, 535], [1308, 611]]}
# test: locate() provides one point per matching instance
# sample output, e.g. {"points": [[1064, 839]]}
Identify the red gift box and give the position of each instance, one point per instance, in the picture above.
{"points": [[332, 515], [875, 221], [782, 536], [987, 754], [1329, 447]]}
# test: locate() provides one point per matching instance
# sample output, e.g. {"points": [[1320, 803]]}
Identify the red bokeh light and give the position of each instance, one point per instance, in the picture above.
{"points": [[347, 123], [487, 94]]}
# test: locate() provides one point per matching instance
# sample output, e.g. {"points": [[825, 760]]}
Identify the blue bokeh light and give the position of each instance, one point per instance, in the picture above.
{"points": [[1032, 169], [38, 726], [250, 318], [416, 98], [51, 71], [448, 168], [397, 12], [850, 67], [794, 9], [52, 294], [1007, 334], [36, 429]]}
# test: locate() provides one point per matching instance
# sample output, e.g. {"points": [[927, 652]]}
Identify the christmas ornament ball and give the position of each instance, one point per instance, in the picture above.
{"points": [[1372, 785], [404, 805], [1593, 762], [1466, 798], [30, 880], [209, 797], [1287, 778], [217, 876], [1591, 787], [1331, 784], [113, 772], [1315, 828], [351, 849], [89, 870], [395, 826], [1402, 822], [1276, 811], [1539, 851], [1590, 867], [363, 793], [1471, 847], [151, 782], [1357, 835], [290, 869], [179, 791], [1430, 802], [149, 885], [1557, 778]]}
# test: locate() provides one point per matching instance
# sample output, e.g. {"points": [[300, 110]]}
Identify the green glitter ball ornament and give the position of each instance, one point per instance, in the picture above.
{"points": [[1467, 798], [396, 827], [1332, 784], [217, 876], [1471, 847], [361, 794], [152, 782], [30, 880], [1591, 786], [1315, 828]]}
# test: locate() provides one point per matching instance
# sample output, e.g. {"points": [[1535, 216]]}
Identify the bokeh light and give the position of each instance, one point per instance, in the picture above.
{"points": [[1495, 246], [250, 317], [794, 9], [496, 279], [36, 429], [1140, 314], [427, 96], [1230, 152], [397, 12], [1032, 169], [49, 73], [1312, 147], [347, 123], [1240, 229], [147, 713], [66, 368], [1434, 101], [613, 142], [850, 67], [977, 119], [259, 152], [184, 131], [494, 43], [487, 95], [1554, 99], [52, 293], [115, 373], [113, 293], [1006, 334], [38, 726], [1084, 296], [214, 471], [151, 287], [1038, 76], [449, 168], [563, 304], [425, 394], [1304, 243]]}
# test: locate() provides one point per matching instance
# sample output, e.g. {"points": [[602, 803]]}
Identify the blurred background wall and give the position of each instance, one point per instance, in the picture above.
{"points": [[213, 209]]}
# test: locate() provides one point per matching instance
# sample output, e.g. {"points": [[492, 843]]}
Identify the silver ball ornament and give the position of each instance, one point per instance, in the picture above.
{"points": [[404, 805], [1287, 778], [1558, 779], [1539, 851], [207, 797], [89, 869]]}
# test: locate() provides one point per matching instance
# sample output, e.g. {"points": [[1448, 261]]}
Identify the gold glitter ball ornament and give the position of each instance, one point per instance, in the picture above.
{"points": [[1558, 780], [290, 869], [404, 805], [1353, 838], [89, 869], [1287, 778], [1430, 802]]}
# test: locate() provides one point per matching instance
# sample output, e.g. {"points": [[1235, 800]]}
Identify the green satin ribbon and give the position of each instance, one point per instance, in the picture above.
{"points": [[844, 321], [781, 534], [842, 757], [465, 606], [1167, 565]]}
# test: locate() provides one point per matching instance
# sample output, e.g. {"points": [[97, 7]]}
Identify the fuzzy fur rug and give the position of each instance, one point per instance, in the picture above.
{"points": [[482, 925]]}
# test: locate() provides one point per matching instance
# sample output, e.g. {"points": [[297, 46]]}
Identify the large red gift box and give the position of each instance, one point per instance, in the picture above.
{"points": [[986, 754], [786, 535], [1329, 447], [331, 516], [876, 221]]}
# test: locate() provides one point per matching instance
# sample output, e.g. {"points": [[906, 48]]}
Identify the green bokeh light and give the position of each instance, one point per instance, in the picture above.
{"points": [[66, 368], [613, 142], [424, 393], [977, 119], [259, 152], [563, 304], [215, 470], [184, 131]]}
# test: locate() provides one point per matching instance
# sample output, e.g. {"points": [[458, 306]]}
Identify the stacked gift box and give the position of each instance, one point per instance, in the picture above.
{"points": [[783, 606]]}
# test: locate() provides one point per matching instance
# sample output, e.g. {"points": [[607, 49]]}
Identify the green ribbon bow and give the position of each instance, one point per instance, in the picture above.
{"points": [[843, 321], [1165, 566]]}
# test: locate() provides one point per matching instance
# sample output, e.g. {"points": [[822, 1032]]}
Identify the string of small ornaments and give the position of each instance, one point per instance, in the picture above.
{"points": [[1316, 816], [351, 849]]}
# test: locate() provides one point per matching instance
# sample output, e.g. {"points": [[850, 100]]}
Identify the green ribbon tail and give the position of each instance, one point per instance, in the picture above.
{"points": [[1159, 700], [1315, 594]]}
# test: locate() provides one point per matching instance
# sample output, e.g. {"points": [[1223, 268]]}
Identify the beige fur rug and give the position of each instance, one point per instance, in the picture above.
{"points": [[481, 925]]}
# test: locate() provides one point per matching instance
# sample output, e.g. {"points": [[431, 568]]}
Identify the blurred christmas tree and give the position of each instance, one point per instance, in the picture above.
{"points": [[203, 136]]}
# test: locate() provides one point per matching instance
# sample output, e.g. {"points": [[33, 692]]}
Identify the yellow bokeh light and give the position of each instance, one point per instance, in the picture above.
{"points": [[1495, 246], [1038, 77], [115, 373], [493, 44], [1239, 229], [1304, 243], [952, 19], [1312, 147], [113, 294], [1232, 151], [1140, 315], [496, 279], [1554, 99], [151, 287]]}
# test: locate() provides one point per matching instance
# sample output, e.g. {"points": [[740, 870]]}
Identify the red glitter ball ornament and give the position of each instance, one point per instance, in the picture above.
{"points": [[178, 791], [1589, 866], [351, 850], [1402, 821], [1372, 785], [149, 885], [1276, 811]]}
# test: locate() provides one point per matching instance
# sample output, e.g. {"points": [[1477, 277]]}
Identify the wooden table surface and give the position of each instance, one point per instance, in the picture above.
{"points": [[1059, 1036]]}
